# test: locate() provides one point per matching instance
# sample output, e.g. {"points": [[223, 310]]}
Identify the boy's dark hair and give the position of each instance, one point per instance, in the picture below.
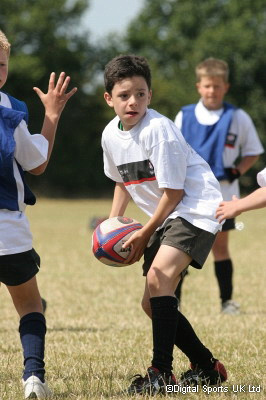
{"points": [[125, 66]]}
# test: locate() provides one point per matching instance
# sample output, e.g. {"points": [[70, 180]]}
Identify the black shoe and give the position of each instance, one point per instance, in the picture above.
{"points": [[198, 376], [154, 382]]}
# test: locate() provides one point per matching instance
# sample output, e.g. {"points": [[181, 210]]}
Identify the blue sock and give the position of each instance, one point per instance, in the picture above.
{"points": [[32, 329]]}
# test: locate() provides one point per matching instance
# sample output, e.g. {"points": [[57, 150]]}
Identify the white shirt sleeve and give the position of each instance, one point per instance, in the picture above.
{"points": [[110, 168], [178, 120], [250, 144], [261, 178], [167, 151], [169, 165], [31, 150]]}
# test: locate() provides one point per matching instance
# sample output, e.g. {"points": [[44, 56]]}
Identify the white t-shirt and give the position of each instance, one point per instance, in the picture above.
{"points": [[30, 152], [261, 178], [152, 156], [247, 142]]}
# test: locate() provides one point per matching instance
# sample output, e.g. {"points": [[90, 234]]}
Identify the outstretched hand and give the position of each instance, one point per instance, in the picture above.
{"points": [[56, 97], [227, 209]]}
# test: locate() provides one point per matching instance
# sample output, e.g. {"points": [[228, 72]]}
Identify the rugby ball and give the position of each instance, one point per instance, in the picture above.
{"points": [[109, 237]]}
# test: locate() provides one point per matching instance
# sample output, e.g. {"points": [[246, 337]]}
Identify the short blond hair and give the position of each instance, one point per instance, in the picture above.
{"points": [[212, 67], [4, 43]]}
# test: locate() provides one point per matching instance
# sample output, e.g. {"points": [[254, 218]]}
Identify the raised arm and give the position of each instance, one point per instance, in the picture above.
{"points": [[54, 102]]}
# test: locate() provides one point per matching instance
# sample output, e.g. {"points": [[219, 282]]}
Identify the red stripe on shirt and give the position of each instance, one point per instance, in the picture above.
{"points": [[153, 178]]}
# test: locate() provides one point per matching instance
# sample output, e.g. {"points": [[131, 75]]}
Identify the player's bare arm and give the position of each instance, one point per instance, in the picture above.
{"points": [[139, 240], [231, 209], [120, 200], [54, 102]]}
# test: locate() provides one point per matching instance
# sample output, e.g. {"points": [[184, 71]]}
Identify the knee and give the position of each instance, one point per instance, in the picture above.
{"points": [[153, 280]]}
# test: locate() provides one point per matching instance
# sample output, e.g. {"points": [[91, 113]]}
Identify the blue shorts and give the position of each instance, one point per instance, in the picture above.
{"points": [[181, 234], [19, 268]]}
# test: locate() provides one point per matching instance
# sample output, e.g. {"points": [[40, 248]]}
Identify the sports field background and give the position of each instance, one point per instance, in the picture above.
{"points": [[98, 336]]}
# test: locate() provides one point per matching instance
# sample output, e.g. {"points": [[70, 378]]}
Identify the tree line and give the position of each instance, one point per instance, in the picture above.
{"points": [[174, 35]]}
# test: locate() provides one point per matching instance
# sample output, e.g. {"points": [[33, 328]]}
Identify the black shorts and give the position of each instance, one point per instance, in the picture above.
{"points": [[181, 234], [19, 268], [228, 225]]}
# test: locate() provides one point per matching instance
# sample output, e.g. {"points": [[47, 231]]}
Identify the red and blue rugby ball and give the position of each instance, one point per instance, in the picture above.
{"points": [[109, 237]]}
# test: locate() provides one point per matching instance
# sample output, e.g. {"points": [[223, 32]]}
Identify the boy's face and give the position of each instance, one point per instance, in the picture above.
{"points": [[212, 91], [129, 98], [3, 67]]}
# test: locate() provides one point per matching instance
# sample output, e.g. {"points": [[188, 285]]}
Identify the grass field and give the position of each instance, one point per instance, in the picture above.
{"points": [[98, 336]]}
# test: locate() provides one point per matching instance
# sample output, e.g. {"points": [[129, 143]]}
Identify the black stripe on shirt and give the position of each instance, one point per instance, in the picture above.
{"points": [[136, 172]]}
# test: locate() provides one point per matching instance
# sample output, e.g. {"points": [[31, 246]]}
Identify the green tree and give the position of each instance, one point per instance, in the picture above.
{"points": [[175, 35], [46, 36]]}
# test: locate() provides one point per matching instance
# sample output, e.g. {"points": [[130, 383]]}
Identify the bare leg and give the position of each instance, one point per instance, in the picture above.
{"points": [[164, 274], [26, 297], [220, 248]]}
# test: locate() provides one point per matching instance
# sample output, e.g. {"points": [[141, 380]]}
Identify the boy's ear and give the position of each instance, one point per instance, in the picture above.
{"points": [[227, 87], [108, 99], [198, 86]]}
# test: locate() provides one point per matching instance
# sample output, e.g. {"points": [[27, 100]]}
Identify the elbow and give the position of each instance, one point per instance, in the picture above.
{"points": [[254, 159], [38, 170], [36, 173]]}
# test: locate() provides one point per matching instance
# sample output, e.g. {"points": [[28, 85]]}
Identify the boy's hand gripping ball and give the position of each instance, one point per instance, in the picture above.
{"points": [[109, 237]]}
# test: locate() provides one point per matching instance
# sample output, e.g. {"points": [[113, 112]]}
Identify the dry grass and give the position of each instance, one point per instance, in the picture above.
{"points": [[98, 337]]}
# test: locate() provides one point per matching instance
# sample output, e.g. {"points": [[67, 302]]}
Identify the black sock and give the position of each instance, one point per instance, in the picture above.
{"points": [[178, 291], [164, 325], [224, 274], [32, 331], [188, 342]]}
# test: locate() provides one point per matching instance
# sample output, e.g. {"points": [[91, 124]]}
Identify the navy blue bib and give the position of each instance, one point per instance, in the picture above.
{"points": [[19, 106], [208, 140], [9, 120]]}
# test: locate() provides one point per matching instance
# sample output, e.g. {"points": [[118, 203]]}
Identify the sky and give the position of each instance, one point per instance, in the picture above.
{"points": [[105, 16]]}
